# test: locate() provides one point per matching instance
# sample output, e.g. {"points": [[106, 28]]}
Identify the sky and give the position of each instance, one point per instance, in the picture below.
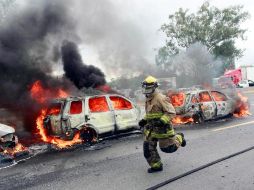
{"points": [[149, 15]]}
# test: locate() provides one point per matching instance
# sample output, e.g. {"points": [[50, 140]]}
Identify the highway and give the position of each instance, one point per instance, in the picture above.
{"points": [[119, 163]]}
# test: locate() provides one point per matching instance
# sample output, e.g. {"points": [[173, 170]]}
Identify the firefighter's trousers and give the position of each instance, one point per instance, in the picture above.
{"points": [[169, 142]]}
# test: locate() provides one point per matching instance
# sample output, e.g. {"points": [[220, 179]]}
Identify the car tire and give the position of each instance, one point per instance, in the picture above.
{"points": [[89, 136], [198, 118]]}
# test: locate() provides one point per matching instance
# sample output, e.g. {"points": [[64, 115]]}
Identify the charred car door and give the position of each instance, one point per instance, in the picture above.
{"points": [[99, 114], [126, 115], [223, 107], [52, 122], [207, 105]]}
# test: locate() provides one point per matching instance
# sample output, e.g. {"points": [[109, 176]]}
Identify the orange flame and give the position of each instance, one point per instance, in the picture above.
{"points": [[18, 148], [53, 111], [177, 99], [104, 88], [39, 123], [218, 97], [41, 95], [54, 140], [204, 97], [182, 120], [242, 106], [98, 104]]}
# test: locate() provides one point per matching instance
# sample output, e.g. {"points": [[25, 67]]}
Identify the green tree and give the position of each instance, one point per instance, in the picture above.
{"points": [[217, 29]]}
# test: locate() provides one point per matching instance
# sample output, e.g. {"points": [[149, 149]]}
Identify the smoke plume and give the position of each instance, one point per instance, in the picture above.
{"points": [[119, 43], [28, 41], [38, 36], [196, 66], [83, 76]]}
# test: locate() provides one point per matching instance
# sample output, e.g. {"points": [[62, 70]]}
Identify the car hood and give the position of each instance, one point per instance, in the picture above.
{"points": [[5, 130]]}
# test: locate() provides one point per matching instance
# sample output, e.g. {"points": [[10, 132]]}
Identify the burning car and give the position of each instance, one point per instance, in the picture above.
{"points": [[90, 117], [10, 148], [202, 105], [7, 138]]}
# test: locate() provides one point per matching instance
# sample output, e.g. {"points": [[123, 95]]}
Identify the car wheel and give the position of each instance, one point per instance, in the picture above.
{"points": [[89, 136], [198, 118]]}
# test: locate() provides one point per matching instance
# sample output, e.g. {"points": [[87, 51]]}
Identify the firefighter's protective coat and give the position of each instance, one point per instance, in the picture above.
{"points": [[159, 104], [158, 107]]}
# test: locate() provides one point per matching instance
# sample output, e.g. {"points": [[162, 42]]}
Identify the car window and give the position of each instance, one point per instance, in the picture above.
{"points": [[177, 99], [98, 104], [120, 103], [204, 97], [194, 100], [218, 96], [76, 107]]}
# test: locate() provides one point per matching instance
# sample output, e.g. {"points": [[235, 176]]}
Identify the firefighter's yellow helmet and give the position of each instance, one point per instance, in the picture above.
{"points": [[149, 85]]}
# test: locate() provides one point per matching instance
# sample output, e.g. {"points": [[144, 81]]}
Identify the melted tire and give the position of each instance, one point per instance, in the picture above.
{"points": [[89, 136], [198, 119]]}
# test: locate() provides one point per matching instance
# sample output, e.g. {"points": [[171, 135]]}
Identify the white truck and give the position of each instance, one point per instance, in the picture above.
{"points": [[247, 76], [247, 72]]}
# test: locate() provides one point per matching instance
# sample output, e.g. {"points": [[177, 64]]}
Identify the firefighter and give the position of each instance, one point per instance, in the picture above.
{"points": [[157, 125]]}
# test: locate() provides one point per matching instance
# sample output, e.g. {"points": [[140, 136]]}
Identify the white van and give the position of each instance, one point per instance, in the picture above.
{"points": [[91, 116]]}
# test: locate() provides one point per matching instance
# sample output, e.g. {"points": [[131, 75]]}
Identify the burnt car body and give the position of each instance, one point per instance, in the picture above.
{"points": [[92, 116], [202, 105], [7, 138]]}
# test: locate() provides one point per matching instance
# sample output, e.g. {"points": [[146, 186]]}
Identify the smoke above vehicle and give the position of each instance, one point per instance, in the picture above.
{"points": [[30, 48]]}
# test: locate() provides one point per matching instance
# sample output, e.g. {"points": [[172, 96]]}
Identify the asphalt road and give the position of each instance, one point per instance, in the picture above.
{"points": [[119, 163]]}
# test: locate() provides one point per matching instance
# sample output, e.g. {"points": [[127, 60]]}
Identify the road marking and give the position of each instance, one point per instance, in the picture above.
{"points": [[233, 126], [248, 92]]}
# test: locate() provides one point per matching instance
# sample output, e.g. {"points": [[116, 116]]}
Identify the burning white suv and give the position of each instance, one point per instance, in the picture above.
{"points": [[91, 116]]}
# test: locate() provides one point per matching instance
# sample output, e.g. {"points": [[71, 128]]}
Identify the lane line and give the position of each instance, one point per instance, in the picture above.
{"points": [[233, 126], [249, 92]]}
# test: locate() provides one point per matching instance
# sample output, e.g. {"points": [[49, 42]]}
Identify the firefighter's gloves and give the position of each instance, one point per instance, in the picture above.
{"points": [[142, 123], [159, 123]]}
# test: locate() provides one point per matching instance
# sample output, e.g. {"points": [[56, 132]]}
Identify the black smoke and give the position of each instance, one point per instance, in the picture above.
{"points": [[28, 43], [83, 76]]}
